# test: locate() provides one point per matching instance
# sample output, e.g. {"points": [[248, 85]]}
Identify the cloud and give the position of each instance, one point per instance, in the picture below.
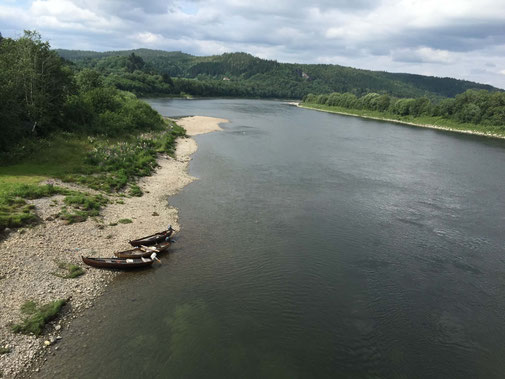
{"points": [[444, 38], [423, 54], [149, 38]]}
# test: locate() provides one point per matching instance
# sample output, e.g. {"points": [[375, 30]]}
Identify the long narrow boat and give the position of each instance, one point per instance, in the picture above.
{"points": [[118, 263], [154, 238], [143, 251]]}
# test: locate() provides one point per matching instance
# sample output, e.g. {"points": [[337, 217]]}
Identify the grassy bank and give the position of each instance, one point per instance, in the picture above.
{"points": [[111, 166], [422, 121]]}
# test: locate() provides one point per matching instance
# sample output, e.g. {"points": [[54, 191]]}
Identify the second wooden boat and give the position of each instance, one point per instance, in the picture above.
{"points": [[163, 236], [143, 251]]}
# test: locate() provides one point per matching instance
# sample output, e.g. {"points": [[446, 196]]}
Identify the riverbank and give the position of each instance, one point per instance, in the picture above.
{"points": [[29, 257], [404, 122]]}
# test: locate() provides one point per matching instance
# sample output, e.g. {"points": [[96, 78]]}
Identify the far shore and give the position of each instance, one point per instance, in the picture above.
{"points": [[29, 256], [445, 128]]}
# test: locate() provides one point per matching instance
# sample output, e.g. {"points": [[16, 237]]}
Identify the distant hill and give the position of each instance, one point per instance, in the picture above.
{"points": [[246, 75]]}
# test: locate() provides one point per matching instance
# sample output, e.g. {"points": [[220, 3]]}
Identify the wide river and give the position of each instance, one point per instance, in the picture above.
{"points": [[314, 245]]}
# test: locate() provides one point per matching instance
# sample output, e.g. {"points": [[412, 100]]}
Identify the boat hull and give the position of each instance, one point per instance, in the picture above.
{"points": [[153, 239], [117, 263]]}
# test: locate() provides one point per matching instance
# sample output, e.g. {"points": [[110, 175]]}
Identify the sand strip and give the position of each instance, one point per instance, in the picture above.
{"points": [[29, 257]]}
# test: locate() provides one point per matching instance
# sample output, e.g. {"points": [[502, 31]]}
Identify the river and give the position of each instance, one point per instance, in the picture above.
{"points": [[314, 245]]}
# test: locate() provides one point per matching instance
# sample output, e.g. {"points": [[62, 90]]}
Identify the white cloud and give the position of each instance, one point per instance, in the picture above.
{"points": [[424, 54], [453, 38], [149, 38]]}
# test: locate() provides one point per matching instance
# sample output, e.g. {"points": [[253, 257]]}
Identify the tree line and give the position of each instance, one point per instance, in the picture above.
{"points": [[41, 93], [241, 74], [472, 106]]}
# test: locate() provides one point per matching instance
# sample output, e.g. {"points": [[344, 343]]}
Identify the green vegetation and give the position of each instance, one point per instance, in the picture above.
{"points": [[125, 221], [480, 111], [40, 94], [135, 191], [37, 317], [59, 122], [153, 72], [14, 210], [71, 271], [82, 206], [4, 350]]}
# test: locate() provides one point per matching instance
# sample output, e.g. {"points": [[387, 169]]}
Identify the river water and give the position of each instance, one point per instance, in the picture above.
{"points": [[314, 245]]}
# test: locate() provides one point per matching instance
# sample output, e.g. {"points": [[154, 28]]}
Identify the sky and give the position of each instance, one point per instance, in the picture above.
{"points": [[463, 39]]}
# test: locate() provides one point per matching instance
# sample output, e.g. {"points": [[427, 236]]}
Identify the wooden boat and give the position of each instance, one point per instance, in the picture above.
{"points": [[119, 263], [154, 238], [143, 251]]}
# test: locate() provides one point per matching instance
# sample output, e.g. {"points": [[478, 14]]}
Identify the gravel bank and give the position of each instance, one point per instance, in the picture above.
{"points": [[29, 257]]}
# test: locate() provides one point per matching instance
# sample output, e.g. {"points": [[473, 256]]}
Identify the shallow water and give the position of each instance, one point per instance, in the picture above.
{"points": [[314, 245]]}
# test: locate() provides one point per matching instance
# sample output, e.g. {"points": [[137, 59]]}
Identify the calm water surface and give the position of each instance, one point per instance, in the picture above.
{"points": [[314, 246]]}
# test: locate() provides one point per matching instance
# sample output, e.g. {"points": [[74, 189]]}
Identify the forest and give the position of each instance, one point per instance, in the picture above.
{"points": [[479, 107], [41, 94], [153, 72]]}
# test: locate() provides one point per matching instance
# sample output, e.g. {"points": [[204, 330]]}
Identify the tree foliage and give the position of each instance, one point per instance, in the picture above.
{"points": [[40, 93], [472, 106], [34, 84], [241, 74]]}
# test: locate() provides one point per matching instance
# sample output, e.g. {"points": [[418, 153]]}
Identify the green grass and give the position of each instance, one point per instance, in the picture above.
{"points": [[37, 317], [51, 157], [4, 350], [421, 120], [81, 207], [14, 210], [111, 165], [135, 190], [71, 271], [103, 164], [125, 221]]}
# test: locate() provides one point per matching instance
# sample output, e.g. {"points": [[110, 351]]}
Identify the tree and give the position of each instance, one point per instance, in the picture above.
{"points": [[134, 62], [11, 108], [44, 80], [383, 102], [88, 79]]}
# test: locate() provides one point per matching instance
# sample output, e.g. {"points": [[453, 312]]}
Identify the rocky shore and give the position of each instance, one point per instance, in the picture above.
{"points": [[29, 257]]}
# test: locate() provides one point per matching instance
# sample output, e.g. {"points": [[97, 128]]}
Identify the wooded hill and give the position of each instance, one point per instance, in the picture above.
{"points": [[241, 74]]}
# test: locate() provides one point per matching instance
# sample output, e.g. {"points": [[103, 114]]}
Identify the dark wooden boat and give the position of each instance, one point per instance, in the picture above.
{"points": [[118, 263], [143, 251], [154, 238]]}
